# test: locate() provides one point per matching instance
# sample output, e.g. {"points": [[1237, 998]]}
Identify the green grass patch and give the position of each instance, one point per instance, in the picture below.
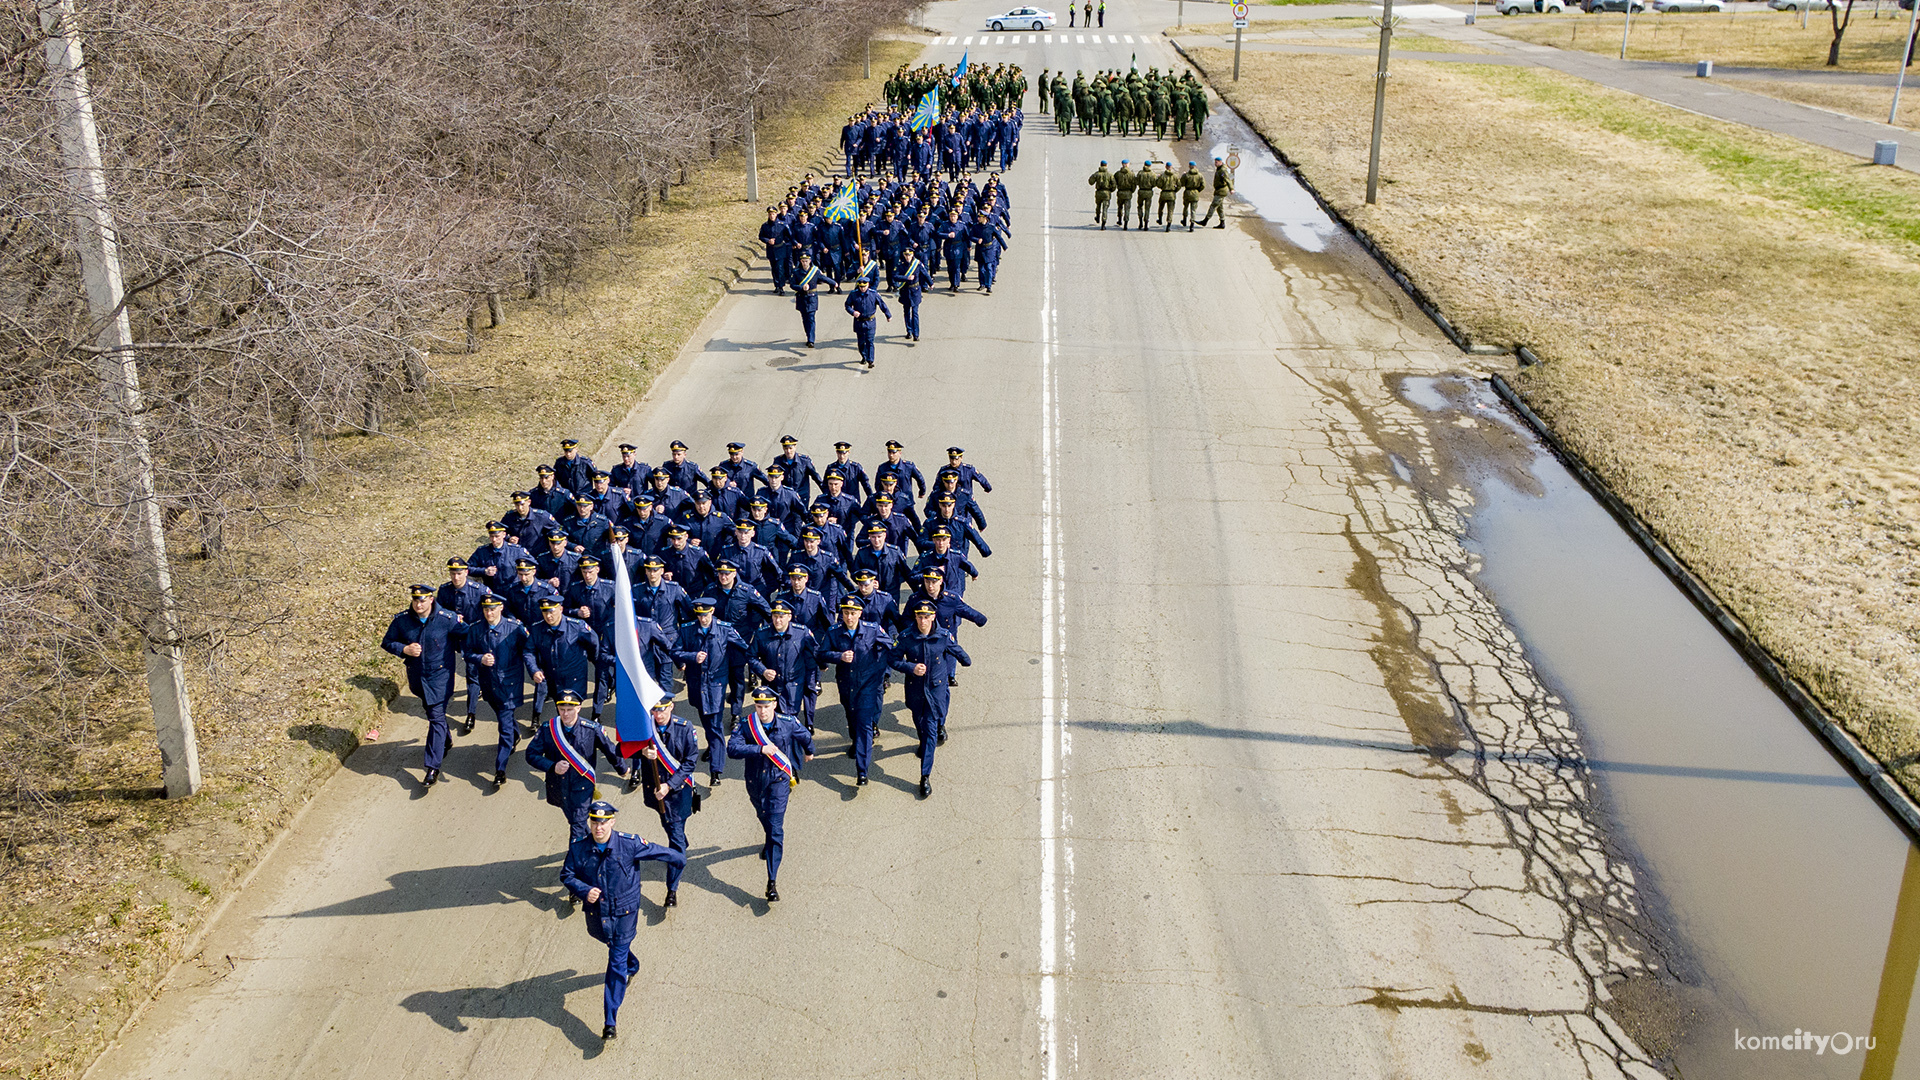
{"points": [[1880, 202]]}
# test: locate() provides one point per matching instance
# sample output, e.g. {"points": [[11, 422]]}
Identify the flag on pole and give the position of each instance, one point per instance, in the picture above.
{"points": [[1133, 62], [844, 207], [634, 691], [961, 71], [928, 112]]}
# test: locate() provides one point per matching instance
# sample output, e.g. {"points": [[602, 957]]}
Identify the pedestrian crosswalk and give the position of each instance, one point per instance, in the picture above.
{"points": [[1038, 39]]}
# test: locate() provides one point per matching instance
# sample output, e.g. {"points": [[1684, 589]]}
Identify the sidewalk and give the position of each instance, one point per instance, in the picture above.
{"points": [[1671, 84]]}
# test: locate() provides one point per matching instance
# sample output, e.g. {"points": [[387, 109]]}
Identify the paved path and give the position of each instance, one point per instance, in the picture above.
{"points": [[1673, 84], [1203, 814]]}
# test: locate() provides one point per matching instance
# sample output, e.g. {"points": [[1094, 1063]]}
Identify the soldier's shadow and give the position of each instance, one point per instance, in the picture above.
{"points": [[542, 997], [699, 873]]}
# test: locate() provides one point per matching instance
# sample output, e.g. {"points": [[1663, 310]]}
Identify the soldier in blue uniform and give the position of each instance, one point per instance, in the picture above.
{"points": [[687, 565], [861, 303], [682, 473], [823, 568], [557, 566], [494, 560], [602, 869], [548, 495], [496, 649], [742, 606], [668, 500], [948, 608], [524, 594], [525, 525], [586, 529], [704, 527], [774, 235], [462, 596], [705, 651], [756, 563], [807, 279], [665, 602], [858, 649], [926, 655], [915, 279], [608, 502], [949, 562], [798, 467], [809, 607], [590, 599], [913, 483], [729, 501], [630, 475], [850, 471], [670, 791], [572, 469], [426, 637], [787, 657], [968, 474], [783, 503], [564, 651], [887, 563], [942, 516], [567, 787], [768, 786]]}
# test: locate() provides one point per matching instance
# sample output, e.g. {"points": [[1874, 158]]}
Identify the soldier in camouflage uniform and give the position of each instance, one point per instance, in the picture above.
{"points": [[1102, 182]]}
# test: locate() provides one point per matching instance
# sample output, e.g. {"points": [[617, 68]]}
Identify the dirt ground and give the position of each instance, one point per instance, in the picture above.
{"points": [[1344, 31], [1729, 324], [105, 883], [1743, 39], [1864, 102]]}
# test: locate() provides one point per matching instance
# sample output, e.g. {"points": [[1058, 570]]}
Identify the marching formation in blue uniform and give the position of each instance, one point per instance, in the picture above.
{"points": [[831, 233], [748, 581]]}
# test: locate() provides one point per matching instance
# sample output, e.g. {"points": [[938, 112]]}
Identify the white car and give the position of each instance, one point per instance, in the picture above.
{"points": [[1022, 18], [1664, 6], [1515, 7]]}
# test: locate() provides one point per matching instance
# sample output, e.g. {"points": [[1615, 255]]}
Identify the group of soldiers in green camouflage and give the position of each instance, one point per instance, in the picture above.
{"points": [[1140, 188], [1003, 86], [1132, 101]]}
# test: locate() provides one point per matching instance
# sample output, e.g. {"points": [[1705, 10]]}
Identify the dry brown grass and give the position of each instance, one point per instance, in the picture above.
{"points": [[1742, 39], [1865, 102], [1730, 323], [105, 886]]}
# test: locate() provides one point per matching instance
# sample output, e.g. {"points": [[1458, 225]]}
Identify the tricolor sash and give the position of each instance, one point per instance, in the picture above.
{"points": [[558, 733], [773, 753]]}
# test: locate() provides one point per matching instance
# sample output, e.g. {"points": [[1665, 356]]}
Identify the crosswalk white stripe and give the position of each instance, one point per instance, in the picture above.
{"points": [[1079, 39], [969, 40], [1128, 38]]}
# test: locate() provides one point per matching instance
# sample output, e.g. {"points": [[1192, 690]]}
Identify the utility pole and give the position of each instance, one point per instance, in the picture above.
{"points": [[1625, 29], [1906, 57], [869, 73], [1237, 31], [1379, 101], [753, 159], [120, 372], [1180, 15]]}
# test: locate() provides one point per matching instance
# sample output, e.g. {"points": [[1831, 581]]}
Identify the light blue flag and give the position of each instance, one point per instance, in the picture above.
{"points": [[928, 112]]}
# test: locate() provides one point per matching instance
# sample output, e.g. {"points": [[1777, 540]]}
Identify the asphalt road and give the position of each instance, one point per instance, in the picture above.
{"points": [[1201, 816]]}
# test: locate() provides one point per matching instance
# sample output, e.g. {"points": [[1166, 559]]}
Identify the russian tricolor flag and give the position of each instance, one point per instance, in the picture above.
{"points": [[634, 691]]}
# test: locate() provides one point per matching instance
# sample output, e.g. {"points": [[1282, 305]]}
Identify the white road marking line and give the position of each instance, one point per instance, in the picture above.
{"points": [[1079, 39], [1031, 38], [1128, 38], [1001, 40], [969, 40], [1056, 858], [1049, 40]]}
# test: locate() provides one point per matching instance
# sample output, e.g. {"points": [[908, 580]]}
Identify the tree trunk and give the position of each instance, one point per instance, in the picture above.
{"points": [[496, 311], [414, 368], [536, 278], [473, 323]]}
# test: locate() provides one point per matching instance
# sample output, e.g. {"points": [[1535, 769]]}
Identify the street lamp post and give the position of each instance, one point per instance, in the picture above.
{"points": [[1379, 101], [1906, 57]]}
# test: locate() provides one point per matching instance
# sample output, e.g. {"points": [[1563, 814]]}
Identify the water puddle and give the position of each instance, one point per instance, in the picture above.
{"points": [[1779, 878]]}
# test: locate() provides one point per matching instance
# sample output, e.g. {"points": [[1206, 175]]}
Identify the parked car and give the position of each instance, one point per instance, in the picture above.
{"points": [[1688, 5], [1022, 18], [1515, 7], [1796, 5], [1591, 6]]}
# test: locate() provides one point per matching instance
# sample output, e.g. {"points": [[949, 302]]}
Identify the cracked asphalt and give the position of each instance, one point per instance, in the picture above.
{"points": [[1303, 807]]}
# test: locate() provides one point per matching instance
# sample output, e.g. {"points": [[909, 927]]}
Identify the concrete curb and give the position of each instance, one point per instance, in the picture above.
{"points": [[1867, 769]]}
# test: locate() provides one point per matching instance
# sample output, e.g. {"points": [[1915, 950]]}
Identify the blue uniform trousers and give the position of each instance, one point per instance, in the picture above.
{"points": [[778, 259], [806, 320], [863, 716], [440, 687], [676, 808], [714, 723], [770, 803], [956, 265], [504, 711], [603, 682], [863, 334], [577, 816], [929, 722], [617, 931], [910, 305], [989, 266]]}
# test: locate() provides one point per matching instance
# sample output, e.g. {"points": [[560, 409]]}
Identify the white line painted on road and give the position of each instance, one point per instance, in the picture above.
{"points": [[969, 40], [1128, 38], [1079, 39], [1056, 849]]}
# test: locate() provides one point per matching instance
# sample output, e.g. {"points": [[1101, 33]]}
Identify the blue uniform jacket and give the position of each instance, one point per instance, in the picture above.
{"points": [[862, 304], [512, 663], [786, 733], [556, 500], [707, 680], [949, 609], [598, 600], [689, 567], [666, 603], [800, 473], [810, 609], [499, 559], [429, 675], [464, 601], [528, 528], [575, 474], [954, 569], [911, 479], [939, 652], [889, 563], [523, 601], [959, 530], [587, 739], [566, 653], [586, 533], [794, 658], [870, 645], [744, 609], [614, 869]]}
